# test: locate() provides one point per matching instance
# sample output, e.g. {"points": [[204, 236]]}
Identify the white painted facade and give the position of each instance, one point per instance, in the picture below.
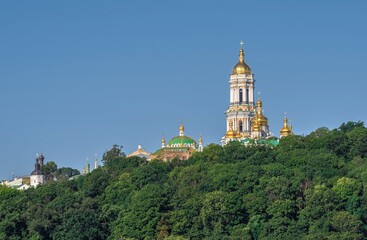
{"points": [[242, 104], [37, 179]]}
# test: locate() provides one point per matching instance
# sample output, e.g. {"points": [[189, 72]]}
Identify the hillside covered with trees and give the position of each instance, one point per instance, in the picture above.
{"points": [[308, 187]]}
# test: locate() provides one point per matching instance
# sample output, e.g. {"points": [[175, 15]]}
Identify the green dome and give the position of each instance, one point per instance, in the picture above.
{"points": [[182, 141]]}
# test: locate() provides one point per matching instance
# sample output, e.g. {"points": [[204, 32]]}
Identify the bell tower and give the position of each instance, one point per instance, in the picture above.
{"points": [[241, 107], [244, 117]]}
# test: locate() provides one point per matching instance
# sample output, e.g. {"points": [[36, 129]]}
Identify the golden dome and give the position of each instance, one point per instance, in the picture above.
{"points": [[231, 133], [259, 120], [163, 141], [285, 130], [241, 67], [259, 103]]}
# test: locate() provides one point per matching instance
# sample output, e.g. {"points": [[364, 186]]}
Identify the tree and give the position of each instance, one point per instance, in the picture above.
{"points": [[349, 126], [12, 205], [142, 215], [81, 221], [66, 173], [212, 153], [215, 214], [49, 170], [357, 140], [114, 152], [345, 226]]}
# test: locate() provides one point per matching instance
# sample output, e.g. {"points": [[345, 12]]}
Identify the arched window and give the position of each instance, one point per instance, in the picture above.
{"points": [[247, 95], [241, 96], [240, 125]]}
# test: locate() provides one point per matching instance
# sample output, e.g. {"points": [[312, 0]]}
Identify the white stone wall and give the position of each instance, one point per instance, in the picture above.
{"points": [[37, 179]]}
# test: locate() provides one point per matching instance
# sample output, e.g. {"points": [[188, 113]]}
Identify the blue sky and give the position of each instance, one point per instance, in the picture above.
{"points": [[77, 77]]}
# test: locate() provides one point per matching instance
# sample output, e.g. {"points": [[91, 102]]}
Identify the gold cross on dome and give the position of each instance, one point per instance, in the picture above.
{"points": [[241, 43]]}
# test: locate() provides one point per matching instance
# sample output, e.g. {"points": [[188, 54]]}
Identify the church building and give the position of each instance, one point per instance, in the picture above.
{"points": [[37, 177], [245, 120], [140, 152], [181, 147]]}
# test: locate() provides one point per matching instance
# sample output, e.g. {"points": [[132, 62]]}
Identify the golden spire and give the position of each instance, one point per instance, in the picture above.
{"points": [[201, 139], [241, 56], [285, 130], [285, 121], [261, 119], [241, 67]]}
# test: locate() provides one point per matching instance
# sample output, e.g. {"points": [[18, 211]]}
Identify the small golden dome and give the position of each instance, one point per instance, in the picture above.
{"points": [[163, 141], [231, 133], [259, 103], [241, 67], [259, 120], [182, 127], [285, 130]]}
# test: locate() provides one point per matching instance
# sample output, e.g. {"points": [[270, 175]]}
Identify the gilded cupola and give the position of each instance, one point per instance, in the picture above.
{"points": [[286, 130], [259, 120], [231, 133], [241, 67]]}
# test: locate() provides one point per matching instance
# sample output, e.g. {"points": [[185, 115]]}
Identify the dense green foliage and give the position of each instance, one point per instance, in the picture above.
{"points": [[311, 187], [51, 172]]}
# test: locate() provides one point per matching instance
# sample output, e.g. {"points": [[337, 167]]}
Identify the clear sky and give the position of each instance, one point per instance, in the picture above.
{"points": [[77, 77]]}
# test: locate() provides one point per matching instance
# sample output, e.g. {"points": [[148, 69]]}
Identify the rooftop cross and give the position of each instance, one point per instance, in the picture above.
{"points": [[241, 43]]}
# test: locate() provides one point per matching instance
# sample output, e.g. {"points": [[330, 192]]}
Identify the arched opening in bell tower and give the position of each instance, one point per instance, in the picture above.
{"points": [[240, 126]]}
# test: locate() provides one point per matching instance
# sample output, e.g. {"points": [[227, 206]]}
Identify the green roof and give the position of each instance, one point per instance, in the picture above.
{"points": [[272, 142], [181, 140], [172, 149]]}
